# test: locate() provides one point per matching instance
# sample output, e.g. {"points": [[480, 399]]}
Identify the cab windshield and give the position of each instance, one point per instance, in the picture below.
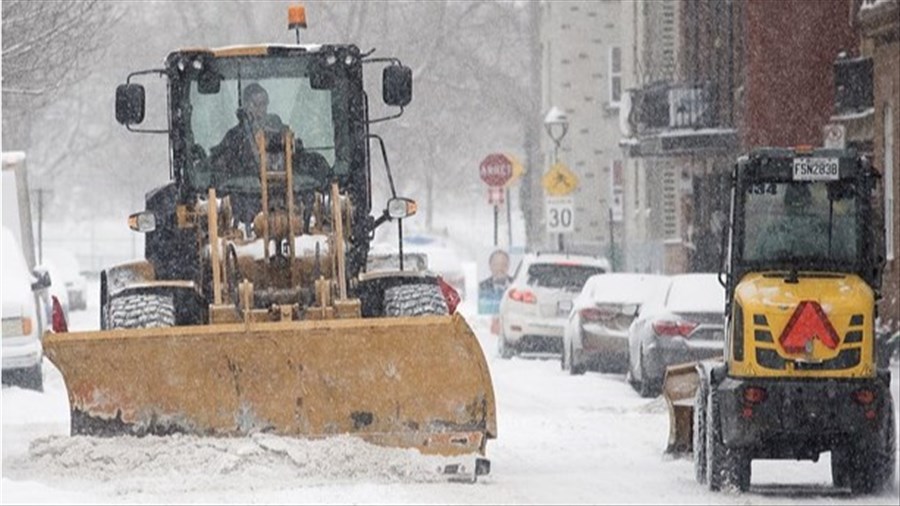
{"points": [[806, 222], [221, 147]]}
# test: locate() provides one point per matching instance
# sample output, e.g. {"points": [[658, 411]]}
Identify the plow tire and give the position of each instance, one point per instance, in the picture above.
{"points": [[141, 311], [414, 300]]}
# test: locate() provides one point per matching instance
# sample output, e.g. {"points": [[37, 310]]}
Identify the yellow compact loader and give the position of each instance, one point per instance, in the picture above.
{"points": [[801, 373], [252, 310]]}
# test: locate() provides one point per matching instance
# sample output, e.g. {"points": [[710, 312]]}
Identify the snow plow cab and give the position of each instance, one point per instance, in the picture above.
{"points": [[252, 310], [800, 376]]}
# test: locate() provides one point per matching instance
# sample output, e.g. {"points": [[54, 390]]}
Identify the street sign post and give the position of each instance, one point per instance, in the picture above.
{"points": [[496, 169], [559, 183], [560, 214]]}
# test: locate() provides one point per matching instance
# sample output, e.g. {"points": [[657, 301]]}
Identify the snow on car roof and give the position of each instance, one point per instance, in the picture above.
{"points": [[696, 293], [562, 258], [627, 287]]}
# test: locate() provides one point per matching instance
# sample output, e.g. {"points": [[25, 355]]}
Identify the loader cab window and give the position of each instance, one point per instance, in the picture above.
{"points": [[805, 223], [209, 118]]}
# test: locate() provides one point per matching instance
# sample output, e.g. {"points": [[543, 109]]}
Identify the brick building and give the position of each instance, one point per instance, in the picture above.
{"points": [[879, 27]]}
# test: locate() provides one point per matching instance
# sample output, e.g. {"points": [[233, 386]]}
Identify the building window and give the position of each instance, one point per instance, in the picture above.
{"points": [[615, 76], [889, 184]]}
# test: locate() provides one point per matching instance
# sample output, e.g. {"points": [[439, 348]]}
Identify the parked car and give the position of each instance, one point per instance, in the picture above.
{"points": [[534, 309], [596, 334], [682, 321], [69, 276], [23, 318]]}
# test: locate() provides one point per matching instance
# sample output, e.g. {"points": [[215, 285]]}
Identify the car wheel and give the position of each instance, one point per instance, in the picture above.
{"points": [[575, 369], [646, 388], [505, 351], [564, 361]]}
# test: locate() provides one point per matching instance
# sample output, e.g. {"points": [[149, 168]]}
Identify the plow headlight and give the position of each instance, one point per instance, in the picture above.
{"points": [[144, 221]]}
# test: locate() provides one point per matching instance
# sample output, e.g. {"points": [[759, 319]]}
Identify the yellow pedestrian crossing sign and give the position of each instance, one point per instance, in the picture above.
{"points": [[559, 181]]}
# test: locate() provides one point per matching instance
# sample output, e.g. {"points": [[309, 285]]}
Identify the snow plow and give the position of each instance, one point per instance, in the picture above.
{"points": [[252, 310], [801, 373]]}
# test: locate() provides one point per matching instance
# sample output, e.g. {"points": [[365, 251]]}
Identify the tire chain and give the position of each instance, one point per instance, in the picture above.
{"points": [[139, 311], [414, 300]]}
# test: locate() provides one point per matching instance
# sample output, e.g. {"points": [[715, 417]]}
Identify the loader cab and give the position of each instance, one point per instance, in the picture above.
{"points": [[314, 92], [806, 211]]}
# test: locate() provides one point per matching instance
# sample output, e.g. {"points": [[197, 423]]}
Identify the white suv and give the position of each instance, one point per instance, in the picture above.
{"points": [[534, 309], [23, 319]]}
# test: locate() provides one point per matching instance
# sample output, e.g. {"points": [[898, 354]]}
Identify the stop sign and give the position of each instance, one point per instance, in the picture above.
{"points": [[496, 169]]}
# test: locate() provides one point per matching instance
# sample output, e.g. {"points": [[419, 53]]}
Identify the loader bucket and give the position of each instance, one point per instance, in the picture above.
{"points": [[679, 389], [410, 382]]}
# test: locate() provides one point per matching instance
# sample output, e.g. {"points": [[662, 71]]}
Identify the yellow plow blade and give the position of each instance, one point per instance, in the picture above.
{"points": [[417, 382], [679, 389]]}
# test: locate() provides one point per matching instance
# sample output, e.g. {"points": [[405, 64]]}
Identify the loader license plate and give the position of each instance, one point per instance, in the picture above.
{"points": [[563, 307], [815, 169]]}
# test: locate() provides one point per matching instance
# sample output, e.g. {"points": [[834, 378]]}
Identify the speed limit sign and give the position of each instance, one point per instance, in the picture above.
{"points": [[560, 214]]}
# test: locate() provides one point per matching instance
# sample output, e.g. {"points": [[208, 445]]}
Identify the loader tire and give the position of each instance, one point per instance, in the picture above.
{"points": [[699, 432], [141, 311], [725, 467], [872, 471], [414, 300], [840, 467]]}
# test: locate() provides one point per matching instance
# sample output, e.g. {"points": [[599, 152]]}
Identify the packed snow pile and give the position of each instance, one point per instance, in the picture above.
{"points": [[182, 463]]}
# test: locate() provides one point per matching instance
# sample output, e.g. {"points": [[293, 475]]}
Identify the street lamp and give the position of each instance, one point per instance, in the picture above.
{"points": [[557, 125]]}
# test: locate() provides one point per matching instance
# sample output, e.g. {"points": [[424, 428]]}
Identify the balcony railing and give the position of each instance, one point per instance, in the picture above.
{"points": [[662, 106], [672, 119]]}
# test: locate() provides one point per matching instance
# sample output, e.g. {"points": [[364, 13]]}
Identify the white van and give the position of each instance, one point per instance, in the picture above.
{"points": [[23, 319]]}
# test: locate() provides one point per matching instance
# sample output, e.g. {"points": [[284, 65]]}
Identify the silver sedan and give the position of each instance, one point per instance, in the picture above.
{"points": [[683, 321], [596, 334]]}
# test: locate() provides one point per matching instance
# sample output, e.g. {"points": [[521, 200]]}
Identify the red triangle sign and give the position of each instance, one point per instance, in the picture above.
{"points": [[808, 322]]}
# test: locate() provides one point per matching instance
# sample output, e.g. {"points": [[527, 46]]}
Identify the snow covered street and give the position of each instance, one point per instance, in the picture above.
{"points": [[562, 439]]}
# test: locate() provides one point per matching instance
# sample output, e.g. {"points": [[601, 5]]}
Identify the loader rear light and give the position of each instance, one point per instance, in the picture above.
{"points": [[672, 328], [863, 396], [451, 296], [755, 395], [59, 318], [522, 296]]}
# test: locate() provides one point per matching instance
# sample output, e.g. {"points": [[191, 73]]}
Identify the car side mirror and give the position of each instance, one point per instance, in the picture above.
{"points": [[130, 104], [43, 278], [396, 85]]}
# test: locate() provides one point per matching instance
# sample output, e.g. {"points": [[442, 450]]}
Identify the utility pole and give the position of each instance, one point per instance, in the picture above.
{"points": [[612, 241]]}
